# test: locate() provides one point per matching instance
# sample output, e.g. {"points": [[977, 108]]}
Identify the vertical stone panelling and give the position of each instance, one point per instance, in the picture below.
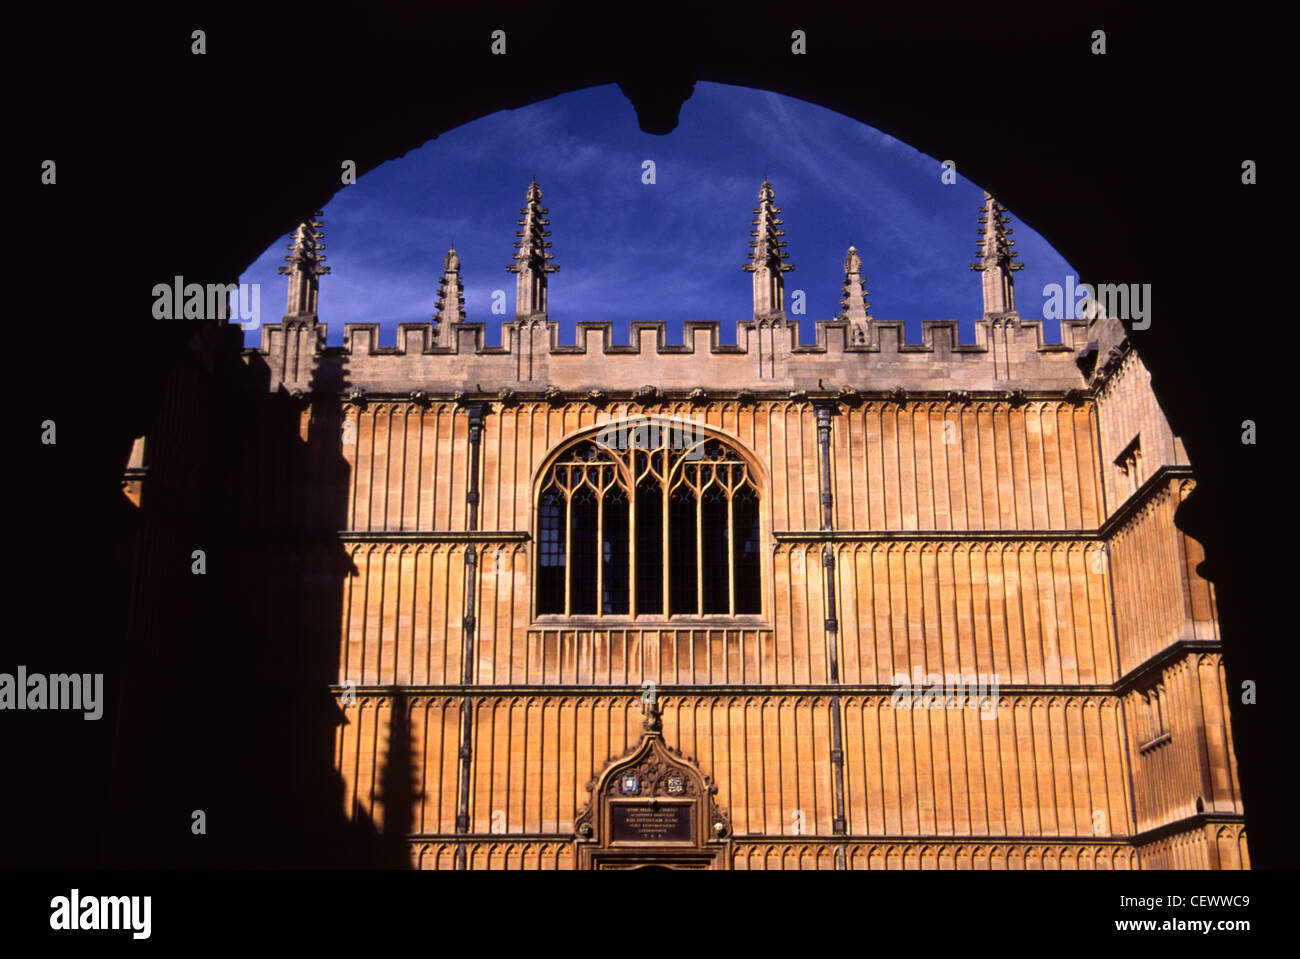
{"points": [[1217, 723], [1052, 480], [872, 466], [905, 443], [1127, 409], [951, 608], [774, 453], [1200, 605], [458, 443], [1160, 598], [420, 636], [1030, 610], [400, 619], [847, 460], [802, 461], [380, 471], [986, 465], [890, 466], [406, 464], [1194, 760]]}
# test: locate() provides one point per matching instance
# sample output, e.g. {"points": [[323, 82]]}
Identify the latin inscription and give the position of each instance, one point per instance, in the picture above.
{"points": [[652, 822]]}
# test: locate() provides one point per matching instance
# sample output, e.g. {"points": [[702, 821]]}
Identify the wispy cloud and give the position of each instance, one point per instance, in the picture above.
{"points": [[672, 250]]}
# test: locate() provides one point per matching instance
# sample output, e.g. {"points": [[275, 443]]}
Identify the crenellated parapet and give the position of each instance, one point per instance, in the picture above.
{"points": [[851, 351], [1008, 353]]}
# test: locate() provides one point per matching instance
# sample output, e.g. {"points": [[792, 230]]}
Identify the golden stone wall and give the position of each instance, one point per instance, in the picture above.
{"points": [[971, 538]]}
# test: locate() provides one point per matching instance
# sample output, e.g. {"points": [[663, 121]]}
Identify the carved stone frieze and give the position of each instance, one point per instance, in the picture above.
{"points": [[648, 394], [850, 396]]}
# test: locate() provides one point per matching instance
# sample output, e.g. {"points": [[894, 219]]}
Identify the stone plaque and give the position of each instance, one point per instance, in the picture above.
{"points": [[653, 822]]}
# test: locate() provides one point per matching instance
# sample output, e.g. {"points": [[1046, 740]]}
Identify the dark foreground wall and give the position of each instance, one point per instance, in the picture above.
{"points": [[1129, 164]]}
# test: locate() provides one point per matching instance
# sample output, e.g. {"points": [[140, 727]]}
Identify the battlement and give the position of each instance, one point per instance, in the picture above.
{"points": [[1008, 352], [853, 350]]}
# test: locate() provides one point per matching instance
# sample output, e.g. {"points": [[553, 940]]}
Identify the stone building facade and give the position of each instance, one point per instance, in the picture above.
{"points": [[887, 605]]}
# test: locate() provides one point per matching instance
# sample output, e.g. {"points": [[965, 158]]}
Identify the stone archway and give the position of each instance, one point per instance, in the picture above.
{"points": [[949, 101]]}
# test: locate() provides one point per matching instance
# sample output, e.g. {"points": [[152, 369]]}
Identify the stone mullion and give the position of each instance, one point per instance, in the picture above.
{"points": [[568, 546], [632, 499], [664, 500], [731, 556], [699, 554], [600, 553]]}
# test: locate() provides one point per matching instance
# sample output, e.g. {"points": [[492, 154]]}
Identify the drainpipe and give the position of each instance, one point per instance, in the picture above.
{"points": [[839, 827], [475, 411]]}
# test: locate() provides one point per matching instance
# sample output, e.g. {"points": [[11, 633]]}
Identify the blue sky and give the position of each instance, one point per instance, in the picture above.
{"points": [[671, 251]]}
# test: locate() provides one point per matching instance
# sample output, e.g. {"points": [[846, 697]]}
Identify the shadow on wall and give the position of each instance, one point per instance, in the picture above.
{"points": [[225, 707]]}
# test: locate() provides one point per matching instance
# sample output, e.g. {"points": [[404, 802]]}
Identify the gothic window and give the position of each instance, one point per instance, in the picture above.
{"points": [[668, 527], [552, 551], [1153, 725]]}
